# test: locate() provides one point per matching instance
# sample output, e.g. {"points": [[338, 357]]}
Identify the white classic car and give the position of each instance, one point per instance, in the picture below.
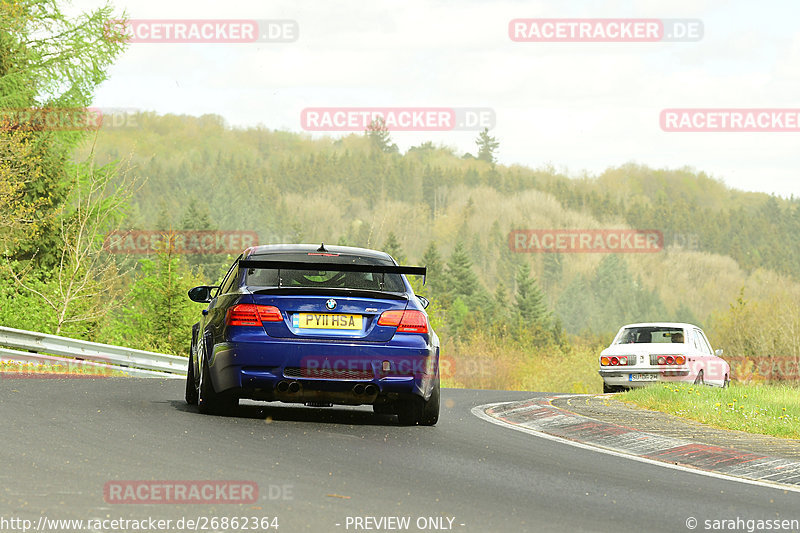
{"points": [[661, 351]]}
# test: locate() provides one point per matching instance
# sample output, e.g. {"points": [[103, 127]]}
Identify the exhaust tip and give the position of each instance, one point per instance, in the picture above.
{"points": [[294, 387], [283, 386], [359, 389], [369, 390]]}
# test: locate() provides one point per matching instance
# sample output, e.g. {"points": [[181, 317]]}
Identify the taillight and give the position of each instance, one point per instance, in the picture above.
{"points": [[408, 321], [614, 360], [252, 315], [605, 361], [668, 360]]}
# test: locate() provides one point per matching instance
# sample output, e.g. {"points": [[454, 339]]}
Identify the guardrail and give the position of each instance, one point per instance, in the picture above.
{"points": [[42, 347]]}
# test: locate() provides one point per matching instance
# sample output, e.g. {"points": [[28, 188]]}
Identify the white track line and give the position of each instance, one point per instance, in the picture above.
{"points": [[479, 411]]}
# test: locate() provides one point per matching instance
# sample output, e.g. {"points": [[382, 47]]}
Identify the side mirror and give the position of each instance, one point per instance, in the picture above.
{"points": [[201, 294], [425, 302], [718, 352]]}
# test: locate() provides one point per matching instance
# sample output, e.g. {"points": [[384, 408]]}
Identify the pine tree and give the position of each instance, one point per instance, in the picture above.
{"points": [[164, 220], [392, 247], [159, 316], [577, 307], [553, 270], [433, 261], [530, 301], [487, 146], [431, 181], [501, 303], [196, 217], [378, 133], [48, 61], [461, 279]]}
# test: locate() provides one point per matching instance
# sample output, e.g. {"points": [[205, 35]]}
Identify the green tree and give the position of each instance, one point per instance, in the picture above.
{"points": [[196, 217], [19, 166], [379, 136], [553, 270], [434, 279], [49, 62], [461, 280], [431, 181], [82, 290], [577, 307], [158, 315], [487, 146], [530, 301], [392, 247]]}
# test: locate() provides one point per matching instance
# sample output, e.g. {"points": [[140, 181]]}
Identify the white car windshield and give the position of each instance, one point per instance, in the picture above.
{"points": [[650, 334]]}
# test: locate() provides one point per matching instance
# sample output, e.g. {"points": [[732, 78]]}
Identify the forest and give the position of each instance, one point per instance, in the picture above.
{"points": [[508, 320]]}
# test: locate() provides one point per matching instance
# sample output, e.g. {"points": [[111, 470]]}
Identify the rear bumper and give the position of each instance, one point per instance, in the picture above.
{"points": [[621, 376], [341, 373]]}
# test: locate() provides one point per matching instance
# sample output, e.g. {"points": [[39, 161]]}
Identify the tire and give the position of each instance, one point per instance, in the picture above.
{"points": [[420, 412], [608, 388], [191, 386], [209, 402], [699, 379]]}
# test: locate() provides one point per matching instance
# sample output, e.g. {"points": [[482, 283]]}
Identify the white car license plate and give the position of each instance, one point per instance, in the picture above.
{"points": [[643, 377]]}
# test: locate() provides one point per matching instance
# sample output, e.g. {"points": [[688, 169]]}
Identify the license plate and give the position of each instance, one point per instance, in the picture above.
{"points": [[643, 377], [327, 321]]}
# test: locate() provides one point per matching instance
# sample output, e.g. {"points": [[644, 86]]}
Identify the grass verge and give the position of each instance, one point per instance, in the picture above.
{"points": [[766, 409], [487, 363]]}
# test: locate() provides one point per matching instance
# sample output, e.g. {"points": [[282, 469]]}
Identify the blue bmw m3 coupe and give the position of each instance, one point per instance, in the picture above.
{"points": [[319, 326]]}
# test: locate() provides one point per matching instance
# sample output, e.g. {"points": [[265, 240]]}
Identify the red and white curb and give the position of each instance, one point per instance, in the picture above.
{"points": [[539, 417]]}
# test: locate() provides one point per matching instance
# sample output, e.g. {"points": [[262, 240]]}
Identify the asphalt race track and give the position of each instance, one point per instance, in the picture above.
{"points": [[62, 440]]}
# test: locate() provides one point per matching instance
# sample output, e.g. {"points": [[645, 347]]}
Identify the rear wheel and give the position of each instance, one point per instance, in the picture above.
{"points": [[191, 386], [699, 379], [418, 411], [610, 388], [210, 402]]}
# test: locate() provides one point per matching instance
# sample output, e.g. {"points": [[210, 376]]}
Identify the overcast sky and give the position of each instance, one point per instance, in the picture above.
{"points": [[580, 107]]}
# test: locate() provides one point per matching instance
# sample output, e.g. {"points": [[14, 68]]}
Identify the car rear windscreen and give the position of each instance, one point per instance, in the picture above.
{"points": [[650, 334], [324, 279]]}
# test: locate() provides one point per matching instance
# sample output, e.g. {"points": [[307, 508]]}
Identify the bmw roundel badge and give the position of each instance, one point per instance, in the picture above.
{"points": [[331, 304]]}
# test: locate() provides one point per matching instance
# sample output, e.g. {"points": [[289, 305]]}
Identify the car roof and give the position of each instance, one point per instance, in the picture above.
{"points": [[307, 248], [676, 325]]}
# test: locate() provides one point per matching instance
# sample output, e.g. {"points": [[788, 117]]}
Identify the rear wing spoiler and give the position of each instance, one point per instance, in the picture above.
{"points": [[335, 267]]}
